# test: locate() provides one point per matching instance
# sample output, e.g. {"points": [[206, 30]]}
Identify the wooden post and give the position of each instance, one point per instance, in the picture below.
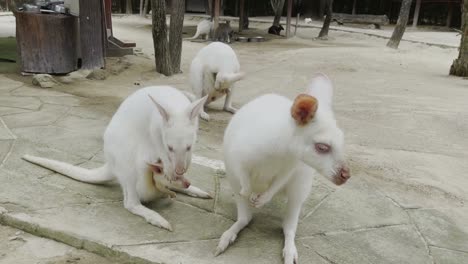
{"points": [[449, 15], [241, 15], [416, 13], [91, 34], [288, 19], [216, 14]]}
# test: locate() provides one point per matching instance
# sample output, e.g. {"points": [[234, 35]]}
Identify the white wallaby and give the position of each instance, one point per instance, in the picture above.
{"points": [[213, 72], [273, 144], [147, 147], [203, 28]]}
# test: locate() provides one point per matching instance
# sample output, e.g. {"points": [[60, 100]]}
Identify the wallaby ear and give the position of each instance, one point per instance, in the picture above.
{"points": [[304, 108], [196, 107], [156, 167], [321, 88], [161, 109]]}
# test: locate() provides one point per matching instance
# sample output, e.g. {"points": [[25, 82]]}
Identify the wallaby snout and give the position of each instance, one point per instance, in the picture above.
{"points": [[342, 175]]}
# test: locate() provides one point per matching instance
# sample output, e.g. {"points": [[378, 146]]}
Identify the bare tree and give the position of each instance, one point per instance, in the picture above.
{"points": [[175, 33], [400, 27], [353, 12], [209, 8], [161, 46], [460, 65], [145, 9], [277, 6], [142, 3], [128, 7], [326, 23], [167, 60]]}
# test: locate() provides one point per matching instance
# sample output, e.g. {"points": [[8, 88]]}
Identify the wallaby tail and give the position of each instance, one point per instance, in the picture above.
{"points": [[197, 34], [228, 77], [190, 96], [95, 176]]}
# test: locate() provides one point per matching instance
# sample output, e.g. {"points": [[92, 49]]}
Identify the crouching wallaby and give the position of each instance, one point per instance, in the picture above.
{"points": [[275, 30], [224, 32], [203, 29], [147, 147], [273, 144], [213, 72]]}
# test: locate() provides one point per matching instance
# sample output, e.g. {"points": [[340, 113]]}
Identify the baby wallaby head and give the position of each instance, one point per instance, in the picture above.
{"points": [[179, 133], [320, 142], [157, 169]]}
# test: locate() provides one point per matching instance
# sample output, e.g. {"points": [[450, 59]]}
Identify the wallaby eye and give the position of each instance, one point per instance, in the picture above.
{"points": [[322, 148], [189, 148], [171, 149]]}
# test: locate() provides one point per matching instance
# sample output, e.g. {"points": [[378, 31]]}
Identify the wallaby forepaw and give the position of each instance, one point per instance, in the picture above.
{"points": [[259, 200], [226, 239], [290, 255], [205, 116]]}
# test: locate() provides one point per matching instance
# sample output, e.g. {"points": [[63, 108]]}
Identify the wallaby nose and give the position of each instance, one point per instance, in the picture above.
{"points": [[180, 171], [345, 174]]}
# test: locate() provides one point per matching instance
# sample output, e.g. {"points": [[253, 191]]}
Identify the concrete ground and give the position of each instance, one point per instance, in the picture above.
{"points": [[19, 247], [405, 122]]}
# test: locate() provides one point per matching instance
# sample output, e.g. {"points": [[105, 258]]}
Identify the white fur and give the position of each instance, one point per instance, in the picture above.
{"points": [[266, 151], [203, 28], [146, 125], [213, 72]]}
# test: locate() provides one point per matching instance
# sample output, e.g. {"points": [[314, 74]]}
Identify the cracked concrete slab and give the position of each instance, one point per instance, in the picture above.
{"points": [[47, 115], [396, 244], [447, 256], [83, 142], [29, 103], [20, 147], [445, 228], [22, 248]]}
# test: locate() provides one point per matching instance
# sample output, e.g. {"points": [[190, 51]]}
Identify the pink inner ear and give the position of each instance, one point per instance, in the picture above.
{"points": [[156, 168]]}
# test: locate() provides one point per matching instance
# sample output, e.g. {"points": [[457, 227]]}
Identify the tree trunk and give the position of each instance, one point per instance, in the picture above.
{"points": [[142, 3], [128, 7], [353, 12], [326, 23], [175, 33], [449, 15], [145, 9], [460, 65], [161, 46], [277, 6], [209, 8], [401, 25], [245, 24], [416, 13]]}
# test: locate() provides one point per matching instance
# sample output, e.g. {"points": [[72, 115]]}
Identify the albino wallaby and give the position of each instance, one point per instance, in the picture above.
{"points": [[273, 144], [203, 28], [213, 72], [152, 133]]}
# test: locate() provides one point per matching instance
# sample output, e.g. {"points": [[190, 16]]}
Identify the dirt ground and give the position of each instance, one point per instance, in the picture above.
{"points": [[405, 123]]}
